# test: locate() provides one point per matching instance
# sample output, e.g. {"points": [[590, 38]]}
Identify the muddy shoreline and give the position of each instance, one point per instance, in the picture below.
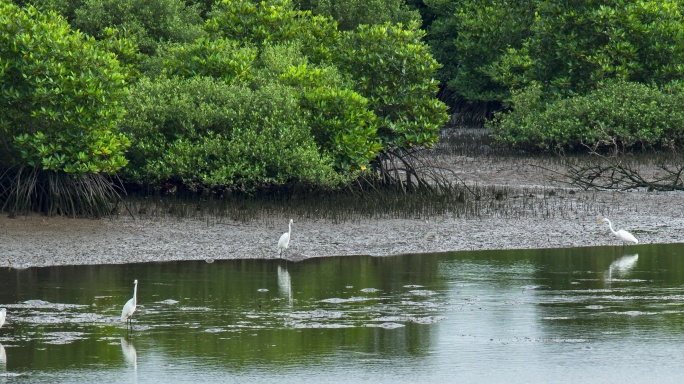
{"points": [[41, 241], [536, 211]]}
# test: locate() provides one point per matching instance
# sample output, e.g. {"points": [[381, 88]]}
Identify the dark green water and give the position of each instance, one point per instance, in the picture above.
{"points": [[586, 315]]}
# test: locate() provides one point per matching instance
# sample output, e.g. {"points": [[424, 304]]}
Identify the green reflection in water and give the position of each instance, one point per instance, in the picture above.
{"points": [[418, 317], [238, 312]]}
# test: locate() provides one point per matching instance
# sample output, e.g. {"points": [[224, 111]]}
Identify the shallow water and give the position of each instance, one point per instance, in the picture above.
{"points": [[530, 316]]}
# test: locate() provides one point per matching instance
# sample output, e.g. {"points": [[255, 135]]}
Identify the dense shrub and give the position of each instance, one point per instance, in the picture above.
{"points": [[204, 133], [262, 93], [60, 99], [467, 37], [392, 67], [60, 103], [66, 8], [572, 49], [218, 58], [340, 119], [389, 66], [351, 13], [632, 113], [274, 22], [150, 21], [569, 48]]}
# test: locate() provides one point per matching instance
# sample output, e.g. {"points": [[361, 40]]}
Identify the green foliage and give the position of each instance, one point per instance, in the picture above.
{"points": [[264, 94], [388, 70], [632, 113], [491, 47], [276, 59], [60, 96], [341, 122], [594, 41], [66, 8], [428, 13], [218, 58], [273, 22], [351, 13], [392, 67], [468, 36], [340, 119], [150, 21], [205, 133], [126, 49]]}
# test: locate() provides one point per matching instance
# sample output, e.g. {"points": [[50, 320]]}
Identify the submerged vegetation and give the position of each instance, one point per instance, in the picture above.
{"points": [[232, 97]]}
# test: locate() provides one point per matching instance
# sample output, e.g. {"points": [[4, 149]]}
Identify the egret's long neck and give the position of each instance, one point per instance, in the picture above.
{"points": [[289, 229], [610, 225], [135, 294]]}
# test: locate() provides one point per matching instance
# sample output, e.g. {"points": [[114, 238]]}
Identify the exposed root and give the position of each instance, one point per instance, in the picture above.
{"points": [[57, 193]]}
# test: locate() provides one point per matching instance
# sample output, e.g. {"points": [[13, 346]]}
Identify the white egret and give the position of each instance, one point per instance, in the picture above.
{"points": [[3, 314], [626, 237], [284, 241], [129, 308]]}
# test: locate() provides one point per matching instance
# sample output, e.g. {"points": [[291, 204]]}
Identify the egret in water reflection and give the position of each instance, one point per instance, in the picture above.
{"points": [[3, 358], [626, 237], [129, 308], [129, 353], [622, 266], [284, 241], [285, 284], [3, 314]]}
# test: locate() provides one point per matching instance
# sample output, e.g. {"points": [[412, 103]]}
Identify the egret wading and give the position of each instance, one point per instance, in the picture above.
{"points": [[284, 241], [129, 308], [626, 237]]}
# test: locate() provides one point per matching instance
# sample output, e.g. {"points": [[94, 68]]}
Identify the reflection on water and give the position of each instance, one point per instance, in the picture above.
{"points": [[129, 353], [285, 284], [3, 358], [621, 266], [531, 316]]}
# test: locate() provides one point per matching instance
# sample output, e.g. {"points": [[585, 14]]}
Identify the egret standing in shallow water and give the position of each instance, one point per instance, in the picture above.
{"points": [[284, 241], [626, 237], [3, 313], [129, 308]]}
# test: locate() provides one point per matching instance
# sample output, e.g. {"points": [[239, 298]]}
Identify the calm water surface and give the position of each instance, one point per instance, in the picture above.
{"points": [[587, 315]]}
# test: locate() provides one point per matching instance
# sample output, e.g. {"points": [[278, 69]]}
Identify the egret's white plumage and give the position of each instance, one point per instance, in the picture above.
{"points": [[3, 313], [129, 308], [284, 241], [626, 237]]}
